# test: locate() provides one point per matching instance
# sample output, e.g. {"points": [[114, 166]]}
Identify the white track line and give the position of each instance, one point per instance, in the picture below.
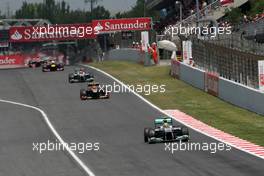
{"points": [[167, 114], [73, 155]]}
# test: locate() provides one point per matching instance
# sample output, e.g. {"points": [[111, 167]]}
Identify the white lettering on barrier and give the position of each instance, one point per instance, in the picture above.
{"points": [[7, 61]]}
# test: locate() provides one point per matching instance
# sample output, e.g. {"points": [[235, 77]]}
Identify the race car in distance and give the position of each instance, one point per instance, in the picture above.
{"points": [[164, 131], [93, 91], [52, 66], [80, 75], [36, 63]]}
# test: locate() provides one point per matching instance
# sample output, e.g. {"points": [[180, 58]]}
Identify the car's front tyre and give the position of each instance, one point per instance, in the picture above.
{"points": [[82, 94], [146, 136]]}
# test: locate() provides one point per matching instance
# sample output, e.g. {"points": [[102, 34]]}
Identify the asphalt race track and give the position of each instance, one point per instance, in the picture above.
{"points": [[117, 124]]}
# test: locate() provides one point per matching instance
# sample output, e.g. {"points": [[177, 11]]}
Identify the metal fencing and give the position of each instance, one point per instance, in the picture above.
{"points": [[253, 28], [237, 41], [229, 62]]}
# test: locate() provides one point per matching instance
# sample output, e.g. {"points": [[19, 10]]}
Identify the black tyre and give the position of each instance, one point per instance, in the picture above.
{"points": [[151, 134], [70, 79], [146, 131], [185, 131], [82, 93]]}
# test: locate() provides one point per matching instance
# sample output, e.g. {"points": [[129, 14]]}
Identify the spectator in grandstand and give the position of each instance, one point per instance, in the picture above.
{"points": [[204, 5], [257, 16], [133, 44], [137, 46], [245, 19], [192, 11]]}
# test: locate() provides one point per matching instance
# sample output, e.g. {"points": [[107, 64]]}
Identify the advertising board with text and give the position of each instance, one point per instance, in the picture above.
{"points": [[51, 32], [125, 24]]}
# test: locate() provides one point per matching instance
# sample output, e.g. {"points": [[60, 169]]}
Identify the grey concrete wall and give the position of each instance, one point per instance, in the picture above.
{"points": [[241, 96], [193, 76], [125, 54], [229, 91]]}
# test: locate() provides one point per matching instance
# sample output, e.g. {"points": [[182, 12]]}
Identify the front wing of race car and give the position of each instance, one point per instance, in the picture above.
{"points": [[52, 68], [161, 140], [87, 95], [172, 134], [74, 79], [32, 64]]}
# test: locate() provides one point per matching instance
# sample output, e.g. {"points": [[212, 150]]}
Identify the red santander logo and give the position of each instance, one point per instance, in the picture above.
{"points": [[125, 24], [7, 61]]}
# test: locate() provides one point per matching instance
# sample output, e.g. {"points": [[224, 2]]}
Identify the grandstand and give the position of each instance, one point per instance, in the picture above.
{"points": [[234, 57]]}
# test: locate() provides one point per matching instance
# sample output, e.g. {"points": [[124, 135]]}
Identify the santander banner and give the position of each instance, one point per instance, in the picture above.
{"points": [[51, 32], [125, 24], [12, 61]]}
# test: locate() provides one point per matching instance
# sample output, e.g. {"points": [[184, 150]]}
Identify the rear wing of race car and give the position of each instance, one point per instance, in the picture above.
{"points": [[93, 84], [161, 121]]}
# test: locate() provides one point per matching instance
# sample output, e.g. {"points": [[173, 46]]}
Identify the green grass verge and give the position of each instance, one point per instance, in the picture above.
{"points": [[179, 95]]}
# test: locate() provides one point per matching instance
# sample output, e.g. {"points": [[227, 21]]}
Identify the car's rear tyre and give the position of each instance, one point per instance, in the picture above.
{"points": [[185, 131], [108, 96]]}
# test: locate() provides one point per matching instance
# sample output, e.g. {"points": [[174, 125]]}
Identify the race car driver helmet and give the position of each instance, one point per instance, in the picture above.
{"points": [[165, 124], [52, 62]]}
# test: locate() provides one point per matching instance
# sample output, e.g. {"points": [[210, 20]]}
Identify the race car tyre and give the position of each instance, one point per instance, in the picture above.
{"points": [[185, 131], [146, 134], [82, 93], [70, 79], [91, 80], [151, 134]]}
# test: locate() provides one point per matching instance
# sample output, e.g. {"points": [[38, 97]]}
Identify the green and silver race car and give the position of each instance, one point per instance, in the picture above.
{"points": [[164, 131]]}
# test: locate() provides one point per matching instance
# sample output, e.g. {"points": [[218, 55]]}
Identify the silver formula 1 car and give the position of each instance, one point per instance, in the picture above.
{"points": [[164, 131], [80, 75]]}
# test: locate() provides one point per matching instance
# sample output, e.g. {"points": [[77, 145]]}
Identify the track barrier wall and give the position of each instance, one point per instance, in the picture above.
{"points": [[241, 96], [229, 91], [193, 76], [12, 61], [211, 85], [126, 54]]}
